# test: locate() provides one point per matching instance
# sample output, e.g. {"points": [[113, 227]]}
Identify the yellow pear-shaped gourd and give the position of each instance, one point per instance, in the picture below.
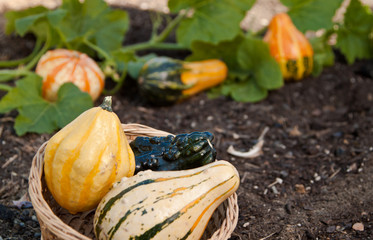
{"points": [[86, 157]]}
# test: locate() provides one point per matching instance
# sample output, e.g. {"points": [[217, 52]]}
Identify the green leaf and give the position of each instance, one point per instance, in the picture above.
{"points": [[23, 25], [35, 21], [353, 36], [252, 70], [26, 92], [254, 55], [323, 54], [212, 21], [13, 16], [245, 91], [56, 16], [225, 50], [354, 46], [134, 67], [122, 58], [312, 14], [291, 3], [38, 115], [113, 26], [358, 17], [93, 20], [177, 5]]}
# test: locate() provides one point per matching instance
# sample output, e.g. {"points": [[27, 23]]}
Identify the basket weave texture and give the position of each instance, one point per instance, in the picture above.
{"points": [[220, 226]]}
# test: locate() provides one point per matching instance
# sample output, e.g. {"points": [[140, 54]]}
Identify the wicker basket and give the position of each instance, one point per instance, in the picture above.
{"points": [[57, 223]]}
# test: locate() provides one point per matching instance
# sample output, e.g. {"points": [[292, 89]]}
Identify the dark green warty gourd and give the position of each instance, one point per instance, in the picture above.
{"points": [[180, 152]]}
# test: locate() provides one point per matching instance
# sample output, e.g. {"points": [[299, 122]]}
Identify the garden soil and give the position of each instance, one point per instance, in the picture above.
{"points": [[313, 179]]}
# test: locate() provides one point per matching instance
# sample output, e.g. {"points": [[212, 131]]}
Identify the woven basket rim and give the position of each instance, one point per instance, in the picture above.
{"points": [[56, 226]]}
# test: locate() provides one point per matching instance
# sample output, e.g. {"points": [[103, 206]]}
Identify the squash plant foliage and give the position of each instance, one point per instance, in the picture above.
{"points": [[207, 28]]}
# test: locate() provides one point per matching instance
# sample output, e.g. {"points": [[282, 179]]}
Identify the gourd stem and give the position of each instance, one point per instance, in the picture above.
{"points": [[117, 86], [13, 63], [97, 49], [106, 104], [156, 22], [166, 32], [5, 87]]}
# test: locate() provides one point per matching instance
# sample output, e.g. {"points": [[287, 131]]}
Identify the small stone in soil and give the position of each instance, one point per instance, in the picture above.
{"points": [[284, 173], [330, 229], [338, 134], [358, 227], [300, 188], [37, 235], [288, 208]]}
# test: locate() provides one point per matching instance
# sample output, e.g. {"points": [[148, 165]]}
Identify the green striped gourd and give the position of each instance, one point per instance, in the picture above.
{"points": [[164, 80], [165, 204]]}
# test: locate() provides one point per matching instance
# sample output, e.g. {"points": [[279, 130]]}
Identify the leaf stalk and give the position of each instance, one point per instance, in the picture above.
{"points": [[5, 87], [14, 63]]}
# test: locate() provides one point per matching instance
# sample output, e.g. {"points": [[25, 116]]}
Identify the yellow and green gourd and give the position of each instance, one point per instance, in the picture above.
{"points": [[161, 205], [289, 47], [86, 157]]}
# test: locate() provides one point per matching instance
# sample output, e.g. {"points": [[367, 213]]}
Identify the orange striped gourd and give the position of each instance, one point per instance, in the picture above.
{"points": [[59, 66], [161, 205], [85, 158], [289, 47]]}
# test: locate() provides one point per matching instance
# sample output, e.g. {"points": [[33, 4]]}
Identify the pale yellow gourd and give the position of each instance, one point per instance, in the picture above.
{"points": [[165, 204], [85, 158]]}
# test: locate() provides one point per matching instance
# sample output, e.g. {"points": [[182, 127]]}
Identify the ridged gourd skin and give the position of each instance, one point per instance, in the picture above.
{"points": [[164, 80], [85, 158], [289, 47], [60, 66], [165, 205], [179, 152]]}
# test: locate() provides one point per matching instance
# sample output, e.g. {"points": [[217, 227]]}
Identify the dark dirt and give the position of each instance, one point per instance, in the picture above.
{"points": [[319, 143]]}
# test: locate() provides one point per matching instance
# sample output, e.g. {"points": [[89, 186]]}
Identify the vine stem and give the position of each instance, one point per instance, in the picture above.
{"points": [[13, 63], [6, 74], [117, 86], [150, 45], [35, 60], [97, 49], [166, 32], [157, 42], [5, 87], [9, 74]]}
